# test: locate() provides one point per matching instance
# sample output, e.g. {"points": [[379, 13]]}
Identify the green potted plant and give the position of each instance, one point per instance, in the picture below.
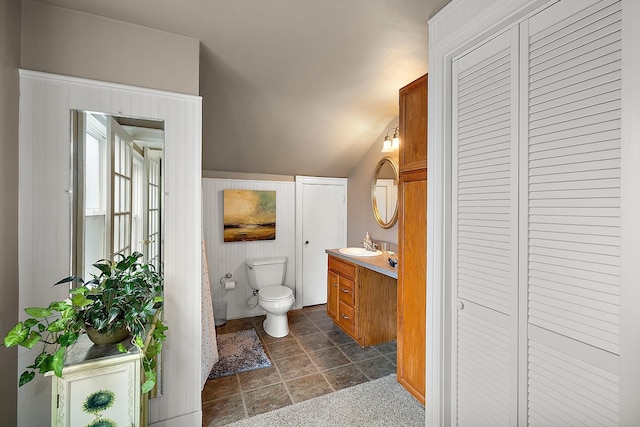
{"points": [[126, 298]]}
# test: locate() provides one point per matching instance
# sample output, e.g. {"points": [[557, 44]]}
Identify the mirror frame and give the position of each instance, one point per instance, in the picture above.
{"points": [[374, 204]]}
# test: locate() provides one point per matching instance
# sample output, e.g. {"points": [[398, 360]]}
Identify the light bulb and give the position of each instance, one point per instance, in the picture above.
{"points": [[395, 144], [386, 145]]}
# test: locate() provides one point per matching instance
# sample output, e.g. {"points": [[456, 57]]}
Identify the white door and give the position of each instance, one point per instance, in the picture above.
{"points": [[536, 222], [322, 212], [484, 241]]}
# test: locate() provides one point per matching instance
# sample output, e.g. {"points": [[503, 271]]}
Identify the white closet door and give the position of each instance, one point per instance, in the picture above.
{"points": [[485, 267], [571, 64]]}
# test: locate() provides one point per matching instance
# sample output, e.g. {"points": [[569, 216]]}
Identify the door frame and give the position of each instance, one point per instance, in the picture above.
{"points": [[301, 181]]}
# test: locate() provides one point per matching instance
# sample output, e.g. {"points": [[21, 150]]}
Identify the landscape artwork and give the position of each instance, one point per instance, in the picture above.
{"points": [[249, 215]]}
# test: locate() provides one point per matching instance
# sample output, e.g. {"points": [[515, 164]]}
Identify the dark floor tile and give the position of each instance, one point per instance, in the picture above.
{"points": [[306, 327], [326, 325], [259, 378], [308, 387], [263, 389], [296, 366], [356, 353], [376, 368], [317, 307], [283, 348], [220, 387], [329, 358], [386, 347], [392, 357], [345, 376], [257, 320], [265, 337], [266, 399], [338, 336], [235, 325], [296, 316], [223, 411], [318, 315], [316, 341]]}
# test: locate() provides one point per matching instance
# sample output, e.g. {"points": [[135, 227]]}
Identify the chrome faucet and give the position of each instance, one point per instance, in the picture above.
{"points": [[368, 244]]}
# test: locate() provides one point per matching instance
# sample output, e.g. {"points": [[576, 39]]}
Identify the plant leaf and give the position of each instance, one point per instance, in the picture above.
{"points": [[26, 377], [45, 364], [16, 335], [38, 312], [33, 339], [58, 362], [113, 313], [79, 300], [57, 326], [121, 348], [139, 342], [150, 382], [30, 322], [69, 279], [104, 266], [68, 339]]}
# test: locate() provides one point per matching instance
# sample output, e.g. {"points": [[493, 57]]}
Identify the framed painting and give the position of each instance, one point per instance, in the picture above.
{"points": [[249, 215]]}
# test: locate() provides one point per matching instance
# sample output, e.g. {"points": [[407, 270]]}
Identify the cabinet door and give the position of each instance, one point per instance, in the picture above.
{"points": [[332, 294], [572, 129], [412, 290], [413, 125], [484, 234]]}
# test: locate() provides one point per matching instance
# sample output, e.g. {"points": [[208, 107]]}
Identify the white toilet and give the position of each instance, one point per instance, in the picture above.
{"points": [[266, 275]]}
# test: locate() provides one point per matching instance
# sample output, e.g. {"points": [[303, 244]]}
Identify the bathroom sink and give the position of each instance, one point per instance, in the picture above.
{"points": [[358, 252]]}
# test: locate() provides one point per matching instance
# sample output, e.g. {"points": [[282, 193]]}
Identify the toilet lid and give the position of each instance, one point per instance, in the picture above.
{"points": [[272, 293]]}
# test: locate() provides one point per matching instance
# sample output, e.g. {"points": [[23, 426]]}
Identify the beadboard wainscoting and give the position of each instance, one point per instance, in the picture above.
{"points": [[229, 257], [45, 209]]}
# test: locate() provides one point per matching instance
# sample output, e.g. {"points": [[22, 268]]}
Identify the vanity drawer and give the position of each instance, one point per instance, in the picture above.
{"points": [[343, 268], [345, 289], [346, 319]]}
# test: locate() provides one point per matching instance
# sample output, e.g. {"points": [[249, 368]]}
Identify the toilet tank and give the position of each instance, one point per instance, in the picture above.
{"points": [[263, 272]]}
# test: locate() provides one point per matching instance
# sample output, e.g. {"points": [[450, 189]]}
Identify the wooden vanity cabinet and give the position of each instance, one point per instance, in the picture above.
{"points": [[332, 294], [362, 302], [412, 238]]}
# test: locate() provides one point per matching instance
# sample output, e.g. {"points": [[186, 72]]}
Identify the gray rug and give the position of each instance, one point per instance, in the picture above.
{"points": [[382, 402], [239, 352]]}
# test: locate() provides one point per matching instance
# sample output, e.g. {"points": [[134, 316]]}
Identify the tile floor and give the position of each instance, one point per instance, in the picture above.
{"points": [[316, 358]]}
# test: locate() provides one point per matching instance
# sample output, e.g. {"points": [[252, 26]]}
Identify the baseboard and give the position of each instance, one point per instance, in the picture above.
{"points": [[194, 419]]}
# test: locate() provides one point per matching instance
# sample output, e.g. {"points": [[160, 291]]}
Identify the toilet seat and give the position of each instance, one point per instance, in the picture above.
{"points": [[275, 293]]}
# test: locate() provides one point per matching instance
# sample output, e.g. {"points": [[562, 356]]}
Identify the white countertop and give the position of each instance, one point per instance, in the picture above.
{"points": [[378, 263]]}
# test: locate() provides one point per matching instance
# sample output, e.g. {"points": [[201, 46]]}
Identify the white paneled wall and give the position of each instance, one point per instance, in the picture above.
{"points": [[229, 257], [46, 101]]}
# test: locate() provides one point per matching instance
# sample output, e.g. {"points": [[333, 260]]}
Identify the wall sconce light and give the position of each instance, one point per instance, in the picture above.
{"points": [[389, 145]]}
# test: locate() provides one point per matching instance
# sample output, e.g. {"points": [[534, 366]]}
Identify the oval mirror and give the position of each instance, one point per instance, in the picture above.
{"points": [[384, 193]]}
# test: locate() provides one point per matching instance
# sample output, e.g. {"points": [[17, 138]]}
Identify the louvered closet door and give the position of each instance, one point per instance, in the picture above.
{"points": [[571, 125], [484, 267]]}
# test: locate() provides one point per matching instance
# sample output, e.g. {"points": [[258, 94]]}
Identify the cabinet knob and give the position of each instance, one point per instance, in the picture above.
{"points": [[335, 285], [344, 317], [346, 291], [460, 305], [306, 242]]}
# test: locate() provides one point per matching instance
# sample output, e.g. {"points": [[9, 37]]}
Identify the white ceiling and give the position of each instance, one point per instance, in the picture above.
{"points": [[291, 86]]}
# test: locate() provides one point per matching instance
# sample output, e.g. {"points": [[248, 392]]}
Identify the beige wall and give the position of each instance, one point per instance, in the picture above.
{"points": [[360, 217], [61, 41], [9, 88]]}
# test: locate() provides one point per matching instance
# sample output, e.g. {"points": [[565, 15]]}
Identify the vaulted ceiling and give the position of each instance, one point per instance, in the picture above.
{"points": [[291, 86]]}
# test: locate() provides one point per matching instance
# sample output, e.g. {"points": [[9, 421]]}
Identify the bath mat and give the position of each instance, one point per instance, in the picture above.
{"points": [[239, 352]]}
